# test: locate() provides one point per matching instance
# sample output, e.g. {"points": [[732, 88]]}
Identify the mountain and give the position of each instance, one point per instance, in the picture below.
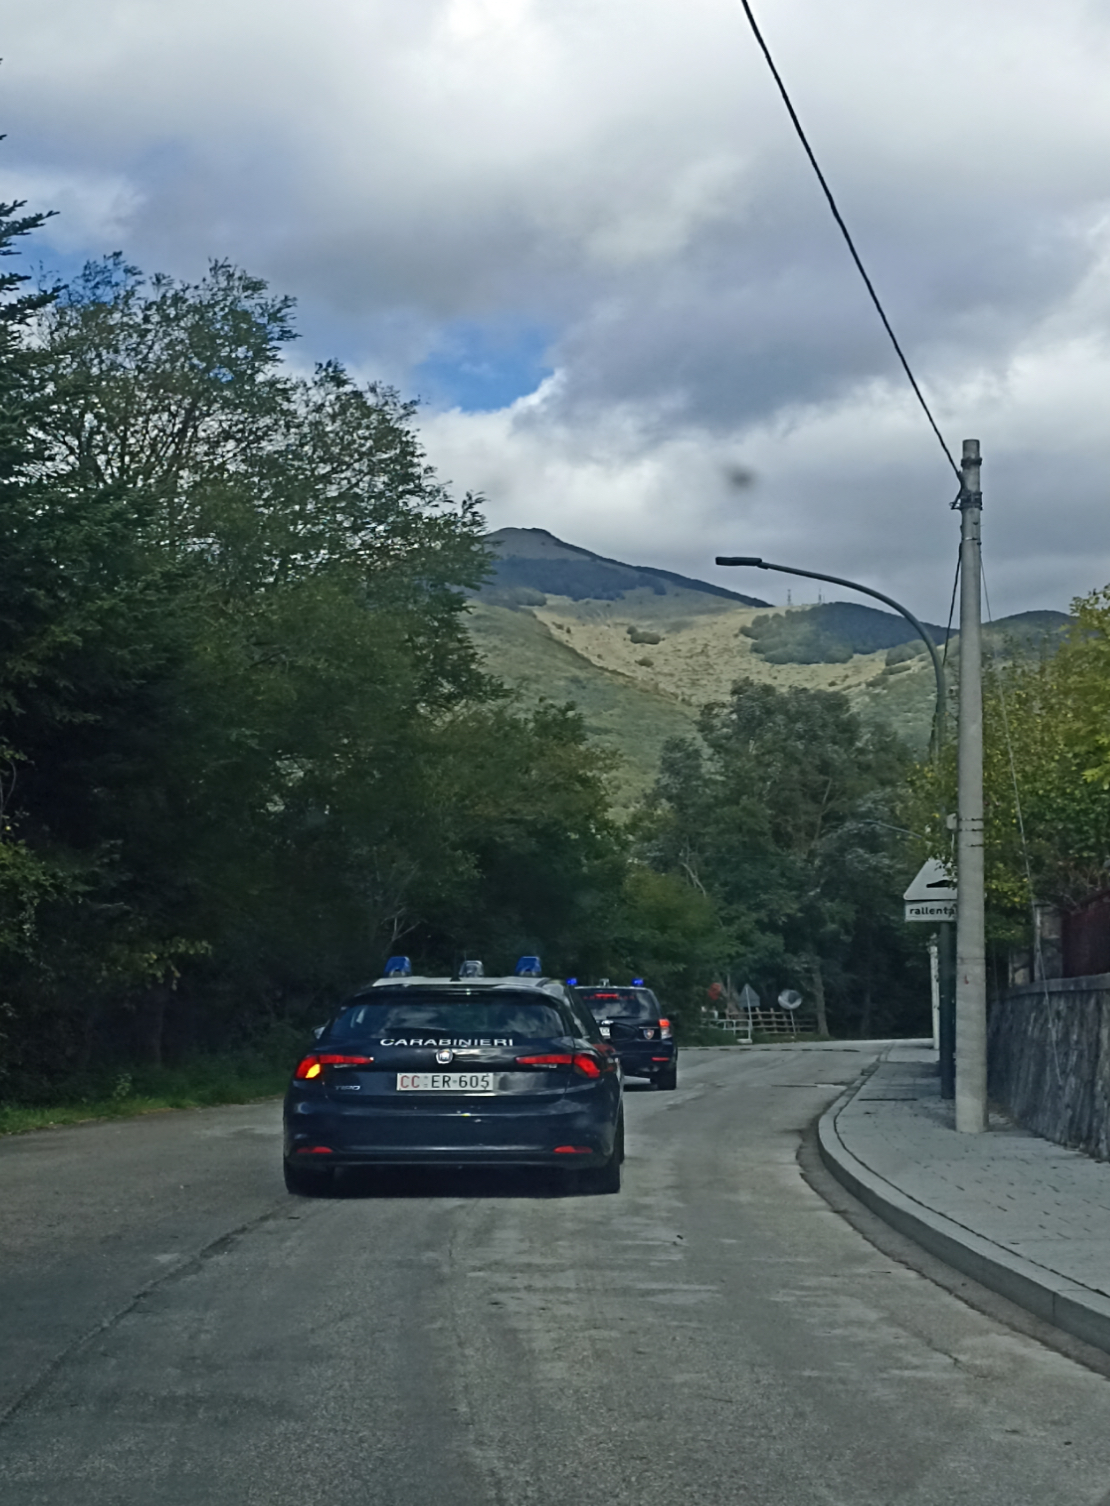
{"points": [[535, 560], [641, 650]]}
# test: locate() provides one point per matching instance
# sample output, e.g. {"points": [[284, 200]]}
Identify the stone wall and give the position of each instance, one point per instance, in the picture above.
{"points": [[1049, 1059]]}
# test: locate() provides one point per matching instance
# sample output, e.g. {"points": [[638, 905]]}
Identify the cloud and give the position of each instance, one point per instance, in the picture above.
{"points": [[466, 194], [92, 209]]}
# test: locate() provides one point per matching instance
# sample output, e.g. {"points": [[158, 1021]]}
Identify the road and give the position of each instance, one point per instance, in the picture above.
{"points": [[176, 1331]]}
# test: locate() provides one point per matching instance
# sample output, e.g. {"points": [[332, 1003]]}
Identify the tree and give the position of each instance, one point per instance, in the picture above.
{"points": [[783, 818], [233, 618], [1046, 775]]}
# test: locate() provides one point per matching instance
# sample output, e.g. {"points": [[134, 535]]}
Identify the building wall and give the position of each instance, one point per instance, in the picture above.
{"points": [[1049, 1059]]}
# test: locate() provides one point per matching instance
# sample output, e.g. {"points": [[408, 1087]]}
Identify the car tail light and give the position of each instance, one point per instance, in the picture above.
{"points": [[572, 1150], [313, 1065], [589, 1065], [594, 1063], [315, 1150], [660, 1058], [665, 1029], [585, 1062]]}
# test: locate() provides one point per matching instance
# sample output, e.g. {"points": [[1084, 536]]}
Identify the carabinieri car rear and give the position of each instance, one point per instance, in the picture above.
{"points": [[633, 1019], [463, 1071]]}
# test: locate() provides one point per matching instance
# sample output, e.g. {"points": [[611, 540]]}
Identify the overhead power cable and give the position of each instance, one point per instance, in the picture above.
{"points": [[951, 609], [839, 218]]}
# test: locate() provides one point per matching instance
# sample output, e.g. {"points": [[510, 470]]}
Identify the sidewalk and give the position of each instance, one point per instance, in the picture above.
{"points": [[1021, 1215]]}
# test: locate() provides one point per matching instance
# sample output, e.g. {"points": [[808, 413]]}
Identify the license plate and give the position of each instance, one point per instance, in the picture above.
{"points": [[445, 1082]]}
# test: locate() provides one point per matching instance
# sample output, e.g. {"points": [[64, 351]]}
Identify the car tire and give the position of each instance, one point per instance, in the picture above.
{"points": [[606, 1178], [302, 1182], [667, 1080]]}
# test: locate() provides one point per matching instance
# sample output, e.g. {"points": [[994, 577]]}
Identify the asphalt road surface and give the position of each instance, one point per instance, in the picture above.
{"points": [[176, 1331]]}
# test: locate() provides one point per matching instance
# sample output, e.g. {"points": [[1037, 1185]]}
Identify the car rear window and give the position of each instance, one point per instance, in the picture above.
{"points": [[521, 1017], [620, 1003]]}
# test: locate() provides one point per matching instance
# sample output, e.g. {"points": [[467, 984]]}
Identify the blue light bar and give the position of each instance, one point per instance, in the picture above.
{"points": [[397, 967], [471, 969], [571, 982], [637, 983], [528, 967]]}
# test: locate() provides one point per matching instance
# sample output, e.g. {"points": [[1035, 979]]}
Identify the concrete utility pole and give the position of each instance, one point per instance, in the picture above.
{"points": [[971, 959]]}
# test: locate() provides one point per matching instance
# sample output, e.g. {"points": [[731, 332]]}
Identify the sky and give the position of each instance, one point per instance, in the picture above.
{"points": [[584, 234]]}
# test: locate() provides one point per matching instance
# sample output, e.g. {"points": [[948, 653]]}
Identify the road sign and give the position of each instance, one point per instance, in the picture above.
{"points": [[931, 897], [749, 999], [790, 998], [932, 910]]}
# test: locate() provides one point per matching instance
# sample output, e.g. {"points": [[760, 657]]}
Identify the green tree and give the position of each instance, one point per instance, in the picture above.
{"points": [[1046, 774], [235, 616], [785, 821]]}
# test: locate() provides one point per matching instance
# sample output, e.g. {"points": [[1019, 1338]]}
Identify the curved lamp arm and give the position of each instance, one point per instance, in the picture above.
{"points": [[852, 585]]}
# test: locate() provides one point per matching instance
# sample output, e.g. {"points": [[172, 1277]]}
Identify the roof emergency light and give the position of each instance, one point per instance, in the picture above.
{"points": [[397, 967], [471, 969], [571, 982], [528, 967], [637, 983]]}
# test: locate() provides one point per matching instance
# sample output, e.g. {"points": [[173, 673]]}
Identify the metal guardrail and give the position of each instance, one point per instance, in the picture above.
{"points": [[769, 1020]]}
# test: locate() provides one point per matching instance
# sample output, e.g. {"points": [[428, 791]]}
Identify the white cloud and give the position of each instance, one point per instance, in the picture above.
{"points": [[621, 173], [92, 210]]}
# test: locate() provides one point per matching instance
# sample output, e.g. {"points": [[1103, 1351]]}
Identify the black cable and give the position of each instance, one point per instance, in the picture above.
{"points": [[838, 217], [951, 609]]}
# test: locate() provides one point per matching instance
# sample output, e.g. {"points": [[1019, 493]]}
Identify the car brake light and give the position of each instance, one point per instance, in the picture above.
{"points": [[665, 1029], [315, 1150], [313, 1065], [572, 1150], [660, 1058], [584, 1062]]}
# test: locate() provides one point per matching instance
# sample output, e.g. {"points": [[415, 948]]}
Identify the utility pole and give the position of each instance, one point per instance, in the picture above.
{"points": [[971, 959], [946, 968]]}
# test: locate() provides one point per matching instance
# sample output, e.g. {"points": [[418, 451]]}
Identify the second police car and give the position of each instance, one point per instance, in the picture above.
{"points": [[460, 1071], [633, 1020]]}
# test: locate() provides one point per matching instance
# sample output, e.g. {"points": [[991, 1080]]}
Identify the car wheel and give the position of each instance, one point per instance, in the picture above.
{"points": [[607, 1177], [302, 1182], [667, 1080]]}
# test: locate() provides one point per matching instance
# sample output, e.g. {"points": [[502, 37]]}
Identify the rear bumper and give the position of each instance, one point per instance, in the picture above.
{"points": [[488, 1156], [321, 1133], [643, 1058]]}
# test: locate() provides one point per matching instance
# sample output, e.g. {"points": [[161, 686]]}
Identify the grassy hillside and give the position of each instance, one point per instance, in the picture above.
{"points": [[642, 656], [629, 719]]}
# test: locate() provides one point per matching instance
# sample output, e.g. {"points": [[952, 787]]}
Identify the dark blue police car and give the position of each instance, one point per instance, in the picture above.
{"points": [[633, 1020], [462, 1071]]}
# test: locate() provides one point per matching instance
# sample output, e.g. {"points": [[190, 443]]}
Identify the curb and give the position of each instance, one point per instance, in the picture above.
{"points": [[1077, 1310]]}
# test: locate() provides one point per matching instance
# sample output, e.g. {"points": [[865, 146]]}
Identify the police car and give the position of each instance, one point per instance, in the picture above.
{"points": [[633, 1020], [460, 1071]]}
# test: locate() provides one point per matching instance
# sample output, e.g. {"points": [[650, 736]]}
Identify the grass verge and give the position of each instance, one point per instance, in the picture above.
{"points": [[147, 1090]]}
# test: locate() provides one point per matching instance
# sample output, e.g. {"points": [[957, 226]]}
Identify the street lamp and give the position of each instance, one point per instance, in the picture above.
{"points": [[854, 585]]}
